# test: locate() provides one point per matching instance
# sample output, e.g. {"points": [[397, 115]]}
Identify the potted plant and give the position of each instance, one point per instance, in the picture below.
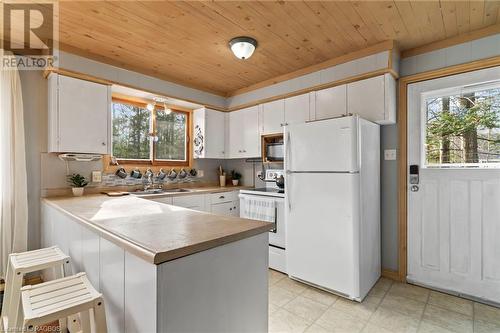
{"points": [[235, 176], [77, 183]]}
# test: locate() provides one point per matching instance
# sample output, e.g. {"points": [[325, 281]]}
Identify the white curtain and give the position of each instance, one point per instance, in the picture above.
{"points": [[13, 189]]}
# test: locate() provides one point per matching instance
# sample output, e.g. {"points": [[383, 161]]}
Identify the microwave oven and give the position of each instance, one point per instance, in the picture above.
{"points": [[274, 152]]}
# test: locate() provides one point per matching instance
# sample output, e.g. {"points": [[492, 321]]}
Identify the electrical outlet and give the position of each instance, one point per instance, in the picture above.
{"points": [[96, 176], [390, 154], [201, 173]]}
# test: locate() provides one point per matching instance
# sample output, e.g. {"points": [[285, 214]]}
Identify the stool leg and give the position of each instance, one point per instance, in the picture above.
{"points": [[63, 323], [15, 299], [100, 316], [7, 293], [85, 321]]}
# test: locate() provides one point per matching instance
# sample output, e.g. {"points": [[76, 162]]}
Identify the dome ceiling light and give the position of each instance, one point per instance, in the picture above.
{"points": [[243, 47]]}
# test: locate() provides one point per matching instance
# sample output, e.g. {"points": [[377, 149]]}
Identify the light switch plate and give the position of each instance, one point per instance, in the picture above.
{"points": [[200, 173], [390, 154], [96, 176]]}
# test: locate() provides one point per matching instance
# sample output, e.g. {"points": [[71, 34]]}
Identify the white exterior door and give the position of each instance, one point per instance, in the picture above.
{"points": [[454, 209]]}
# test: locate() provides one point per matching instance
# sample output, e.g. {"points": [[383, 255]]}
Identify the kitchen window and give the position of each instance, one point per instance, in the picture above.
{"points": [[462, 127], [158, 137]]}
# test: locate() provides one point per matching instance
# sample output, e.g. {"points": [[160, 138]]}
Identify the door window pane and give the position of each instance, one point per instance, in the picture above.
{"points": [[171, 131], [131, 127], [463, 128]]}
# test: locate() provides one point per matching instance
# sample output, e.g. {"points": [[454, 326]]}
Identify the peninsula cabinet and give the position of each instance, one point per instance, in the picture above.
{"points": [[373, 99], [244, 136], [209, 133], [79, 115]]}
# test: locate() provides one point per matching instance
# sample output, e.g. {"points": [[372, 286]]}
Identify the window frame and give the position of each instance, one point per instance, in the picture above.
{"points": [[457, 90], [152, 146]]}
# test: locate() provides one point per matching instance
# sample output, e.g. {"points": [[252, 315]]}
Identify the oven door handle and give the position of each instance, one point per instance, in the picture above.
{"points": [[275, 230]]}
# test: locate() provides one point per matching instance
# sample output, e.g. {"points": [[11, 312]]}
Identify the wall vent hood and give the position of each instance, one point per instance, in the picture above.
{"points": [[80, 157]]}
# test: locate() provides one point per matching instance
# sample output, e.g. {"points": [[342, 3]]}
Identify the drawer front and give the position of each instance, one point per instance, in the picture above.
{"points": [[222, 197], [189, 201]]}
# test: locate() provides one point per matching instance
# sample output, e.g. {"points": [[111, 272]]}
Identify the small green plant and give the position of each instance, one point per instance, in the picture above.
{"points": [[235, 175], [77, 180]]}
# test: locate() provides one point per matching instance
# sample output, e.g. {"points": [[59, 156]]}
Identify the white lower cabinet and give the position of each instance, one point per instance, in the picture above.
{"points": [[225, 203], [195, 202], [225, 208]]}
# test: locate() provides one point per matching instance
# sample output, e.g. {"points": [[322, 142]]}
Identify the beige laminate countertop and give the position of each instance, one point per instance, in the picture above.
{"points": [[154, 231]]}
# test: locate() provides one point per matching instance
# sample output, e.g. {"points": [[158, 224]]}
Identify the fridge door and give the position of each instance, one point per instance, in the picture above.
{"points": [[323, 230], [326, 145]]}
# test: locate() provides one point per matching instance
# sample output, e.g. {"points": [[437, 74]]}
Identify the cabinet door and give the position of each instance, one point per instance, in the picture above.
{"points": [[330, 102], [225, 208], [297, 109], [251, 146], [196, 202], [236, 208], [214, 134], [236, 133], [83, 116], [273, 117], [244, 138], [367, 98]]}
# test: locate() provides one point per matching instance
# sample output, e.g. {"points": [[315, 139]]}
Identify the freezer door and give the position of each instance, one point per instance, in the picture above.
{"points": [[326, 145], [322, 230]]}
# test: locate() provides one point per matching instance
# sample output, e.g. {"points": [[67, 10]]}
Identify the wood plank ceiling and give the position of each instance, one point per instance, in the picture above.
{"points": [[186, 42]]}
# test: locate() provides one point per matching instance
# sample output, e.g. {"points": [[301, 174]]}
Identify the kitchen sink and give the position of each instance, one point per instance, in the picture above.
{"points": [[160, 191]]}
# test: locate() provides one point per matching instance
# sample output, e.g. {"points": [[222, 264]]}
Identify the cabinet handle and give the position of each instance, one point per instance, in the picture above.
{"points": [[244, 151], [221, 197], [103, 143], [230, 209]]}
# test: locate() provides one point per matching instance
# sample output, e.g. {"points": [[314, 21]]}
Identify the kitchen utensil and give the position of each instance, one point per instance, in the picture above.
{"points": [[280, 181], [172, 174], [161, 174], [193, 172], [121, 173], [183, 174], [136, 173]]}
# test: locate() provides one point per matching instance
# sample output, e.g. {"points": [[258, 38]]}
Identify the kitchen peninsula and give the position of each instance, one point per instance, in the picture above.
{"points": [[163, 268]]}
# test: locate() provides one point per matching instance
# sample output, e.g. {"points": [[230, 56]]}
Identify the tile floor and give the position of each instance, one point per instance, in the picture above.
{"points": [[389, 307]]}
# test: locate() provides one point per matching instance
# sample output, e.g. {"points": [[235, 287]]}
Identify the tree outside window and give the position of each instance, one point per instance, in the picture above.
{"points": [[463, 129], [157, 137]]}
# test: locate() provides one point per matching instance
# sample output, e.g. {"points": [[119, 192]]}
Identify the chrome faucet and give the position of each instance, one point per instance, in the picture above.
{"points": [[149, 183]]}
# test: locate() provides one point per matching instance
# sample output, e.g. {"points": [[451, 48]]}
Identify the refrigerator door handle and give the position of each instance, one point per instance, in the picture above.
{"points": [[288, 154], [289, 191]]}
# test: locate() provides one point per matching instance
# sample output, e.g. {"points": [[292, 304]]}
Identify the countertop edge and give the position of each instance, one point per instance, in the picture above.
{"points": [[153, 257]]}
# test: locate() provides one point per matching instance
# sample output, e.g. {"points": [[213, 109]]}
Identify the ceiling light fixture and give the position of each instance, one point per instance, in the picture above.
{"points": [[243, 47], [163, 100], [150, 107]]}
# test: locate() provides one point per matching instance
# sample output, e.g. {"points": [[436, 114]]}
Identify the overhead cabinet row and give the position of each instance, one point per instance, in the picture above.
{"points": [[80, 117], [373, 99]]}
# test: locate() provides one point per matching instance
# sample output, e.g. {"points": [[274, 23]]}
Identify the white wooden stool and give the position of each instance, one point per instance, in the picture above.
{"points": [[49, 301], [21, 264]]}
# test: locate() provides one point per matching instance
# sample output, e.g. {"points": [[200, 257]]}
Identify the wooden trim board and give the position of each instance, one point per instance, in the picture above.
{"points": [[403, 144], [390, 274], [387, 45], [463, 38]]}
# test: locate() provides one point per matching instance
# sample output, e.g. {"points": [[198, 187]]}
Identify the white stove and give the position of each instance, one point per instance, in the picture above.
{"points": [[268, 204]]}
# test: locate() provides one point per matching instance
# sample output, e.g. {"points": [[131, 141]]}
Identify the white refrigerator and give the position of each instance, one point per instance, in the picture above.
{"points": [[332, 204]]}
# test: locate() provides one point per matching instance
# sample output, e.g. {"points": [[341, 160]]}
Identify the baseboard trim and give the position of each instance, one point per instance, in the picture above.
{"points": [[390, 274]]}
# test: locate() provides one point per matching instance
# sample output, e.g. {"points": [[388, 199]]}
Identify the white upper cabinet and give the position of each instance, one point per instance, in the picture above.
{"points": [[79, 116], [373, 99], [297, 109], [331, 102], [209, 133], [273, 117], [244, 138]]}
